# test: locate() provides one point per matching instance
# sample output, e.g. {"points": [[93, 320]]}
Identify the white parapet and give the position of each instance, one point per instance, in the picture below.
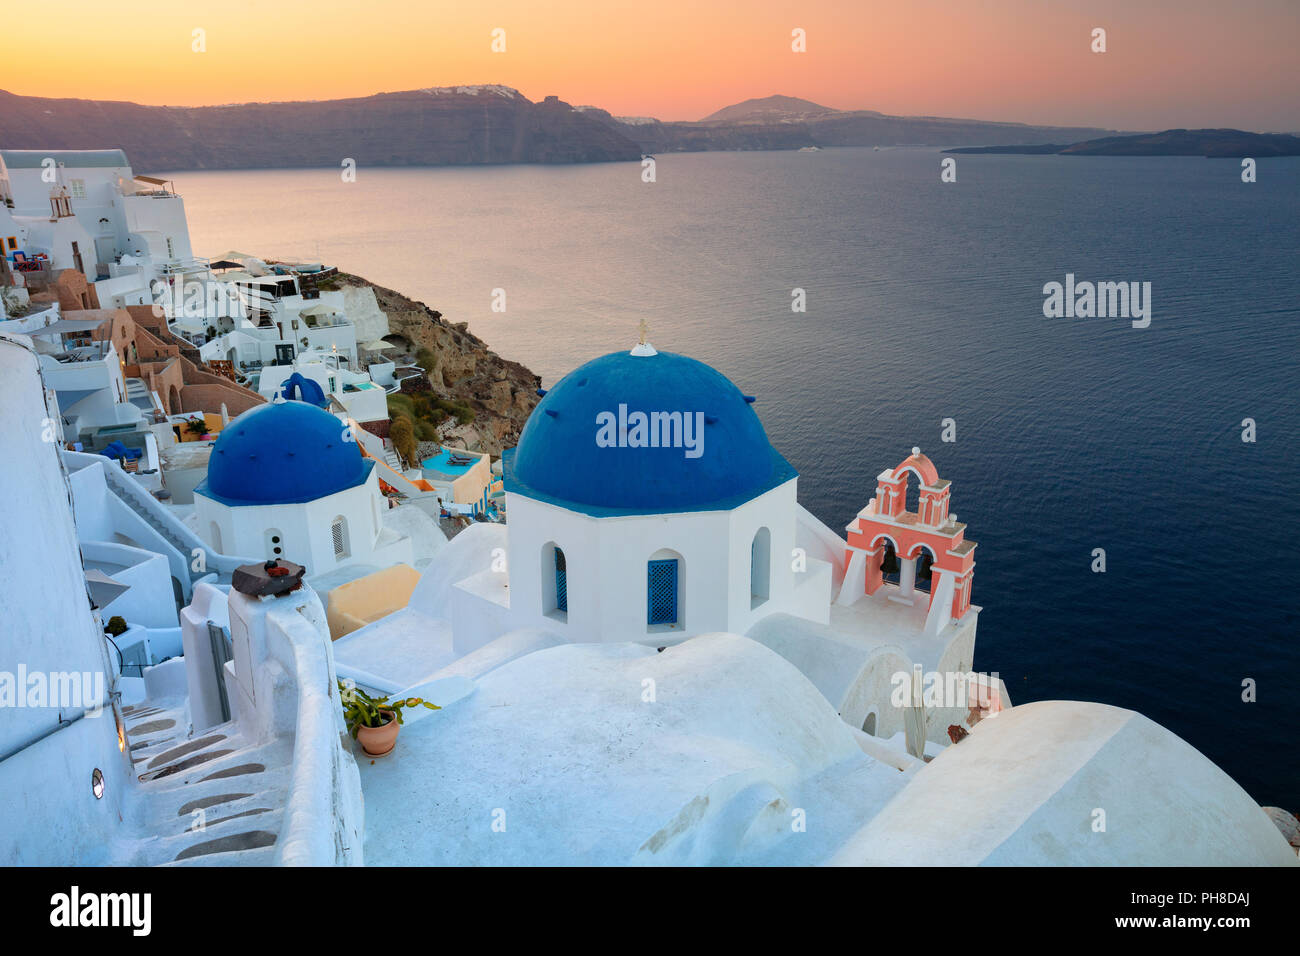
{"points": [[283, 685]]}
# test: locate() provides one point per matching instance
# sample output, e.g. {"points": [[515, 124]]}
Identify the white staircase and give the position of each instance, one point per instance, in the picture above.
{"points": [[190, 557], [219, 800]]}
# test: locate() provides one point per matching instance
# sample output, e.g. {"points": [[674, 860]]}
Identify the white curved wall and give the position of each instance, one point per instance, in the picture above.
{"points": [[51, 816], [606, 569]]}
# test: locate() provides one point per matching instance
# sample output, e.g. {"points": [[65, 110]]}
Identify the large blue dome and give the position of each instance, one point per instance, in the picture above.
{"points": [[584, 448], [284, 453]]}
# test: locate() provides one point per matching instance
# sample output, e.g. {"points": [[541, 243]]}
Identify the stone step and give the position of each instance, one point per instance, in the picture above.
{"points": [[248, 840], [239, 771], [204, 803], [186, 764], [188, 747]]}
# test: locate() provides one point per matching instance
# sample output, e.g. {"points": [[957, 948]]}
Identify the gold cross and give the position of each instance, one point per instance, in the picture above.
{"points": [[644, 329]]}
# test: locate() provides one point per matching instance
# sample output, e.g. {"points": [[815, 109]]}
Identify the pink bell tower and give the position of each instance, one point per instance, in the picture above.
{"points": [[931, 533]]}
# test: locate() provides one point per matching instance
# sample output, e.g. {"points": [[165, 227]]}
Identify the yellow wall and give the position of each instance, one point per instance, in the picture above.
{"points": [[468, 488], [367, 599]]}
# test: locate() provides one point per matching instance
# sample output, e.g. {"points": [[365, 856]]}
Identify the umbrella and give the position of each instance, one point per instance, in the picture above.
{"points": [[103, 589], [319, 309], [225, 264], [914, 717]]}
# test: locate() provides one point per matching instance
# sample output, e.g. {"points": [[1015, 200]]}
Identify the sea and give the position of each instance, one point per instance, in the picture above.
{"points": [[872, 307]]}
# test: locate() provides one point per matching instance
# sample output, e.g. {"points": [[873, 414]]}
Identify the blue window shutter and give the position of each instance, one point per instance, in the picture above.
{"points": [[561, 583], [661, 591]]}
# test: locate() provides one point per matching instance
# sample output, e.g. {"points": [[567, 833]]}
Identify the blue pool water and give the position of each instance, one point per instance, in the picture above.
{"points": [[441, 462]]}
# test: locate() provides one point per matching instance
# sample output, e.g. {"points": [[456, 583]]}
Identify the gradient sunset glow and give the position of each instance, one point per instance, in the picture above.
{"points": [[1169, 63]]}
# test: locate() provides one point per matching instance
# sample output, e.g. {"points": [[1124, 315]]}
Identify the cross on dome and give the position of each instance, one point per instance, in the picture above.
{"points": [[643, 347]]}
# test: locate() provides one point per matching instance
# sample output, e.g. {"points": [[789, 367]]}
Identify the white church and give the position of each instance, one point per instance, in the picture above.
{"points": [[636, 538], [288, 480]]}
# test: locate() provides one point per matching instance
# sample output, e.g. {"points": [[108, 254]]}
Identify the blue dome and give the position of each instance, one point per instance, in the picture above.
{"points": [[596, 442], [284, 453], [297, 387]]}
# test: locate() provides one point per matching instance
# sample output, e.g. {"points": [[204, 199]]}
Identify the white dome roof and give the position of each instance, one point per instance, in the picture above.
{"points": [[588, 771], [1024, 788]]}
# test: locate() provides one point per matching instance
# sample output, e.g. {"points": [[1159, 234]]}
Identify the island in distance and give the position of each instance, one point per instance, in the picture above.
{"points": [[1211, 143], [466, 125]]}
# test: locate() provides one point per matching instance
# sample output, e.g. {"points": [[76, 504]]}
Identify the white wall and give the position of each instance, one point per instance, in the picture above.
{"points": [[123, 290], [55, 238], [284, 686], [31, 194], [50, 815], [606, 560], [161, 216], [305, 529], [149, 599]]}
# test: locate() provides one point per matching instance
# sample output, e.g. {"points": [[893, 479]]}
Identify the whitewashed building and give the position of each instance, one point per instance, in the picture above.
{"points": [[288, 480], [87, 210], [682, 522]]}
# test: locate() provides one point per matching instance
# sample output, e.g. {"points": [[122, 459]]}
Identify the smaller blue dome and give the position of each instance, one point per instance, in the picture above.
{"points": [[285, 453], [297, 387]]}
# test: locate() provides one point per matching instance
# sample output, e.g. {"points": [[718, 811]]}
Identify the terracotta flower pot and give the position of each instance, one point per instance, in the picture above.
{"points": [[378, 741]]}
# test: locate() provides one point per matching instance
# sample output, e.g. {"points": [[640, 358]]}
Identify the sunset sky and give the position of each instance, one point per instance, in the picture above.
{"points": [[1169, 62]]}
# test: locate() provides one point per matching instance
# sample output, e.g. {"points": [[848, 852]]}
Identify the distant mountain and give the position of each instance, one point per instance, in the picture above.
{"points": [[441, 126], [769, 109], [1190, 142], [787, 122], [464, 125], [1211, 143]]}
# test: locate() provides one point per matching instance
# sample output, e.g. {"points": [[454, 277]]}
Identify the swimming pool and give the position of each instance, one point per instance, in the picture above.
{"points": [[441, 462]]}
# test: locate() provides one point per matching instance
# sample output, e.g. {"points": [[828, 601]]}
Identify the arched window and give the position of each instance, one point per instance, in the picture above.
{"points": [[663, 598], [889, 566], [215, 538], [924, 576], [912, 493], [339, 535], [561, 582], [555, 582], [760, 567], [274, 544], [869, 725]]}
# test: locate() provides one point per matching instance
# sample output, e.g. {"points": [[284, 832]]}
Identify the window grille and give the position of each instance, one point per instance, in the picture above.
{"points": [[561, 582], [661, 591]]}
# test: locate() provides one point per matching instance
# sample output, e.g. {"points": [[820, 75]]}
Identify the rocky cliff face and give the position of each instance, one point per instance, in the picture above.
{"points": [[444, 126], [502, 393]]}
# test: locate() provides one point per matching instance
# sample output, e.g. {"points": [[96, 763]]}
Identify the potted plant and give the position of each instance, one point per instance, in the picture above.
{"points": [[375, 721], [196, 426]]}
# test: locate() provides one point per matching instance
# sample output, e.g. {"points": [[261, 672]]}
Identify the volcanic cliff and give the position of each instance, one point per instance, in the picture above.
{"points": [[502, 393]]}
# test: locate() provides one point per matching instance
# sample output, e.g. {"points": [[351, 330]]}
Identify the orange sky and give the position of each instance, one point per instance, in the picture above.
{"points": [[1169, 62]]}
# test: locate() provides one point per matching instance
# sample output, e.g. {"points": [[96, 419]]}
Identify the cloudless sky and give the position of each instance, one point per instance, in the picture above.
{"points": [[1168, 63]]}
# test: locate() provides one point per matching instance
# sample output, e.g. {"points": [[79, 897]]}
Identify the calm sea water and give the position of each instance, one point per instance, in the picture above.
{"points": [[925, 303]]}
